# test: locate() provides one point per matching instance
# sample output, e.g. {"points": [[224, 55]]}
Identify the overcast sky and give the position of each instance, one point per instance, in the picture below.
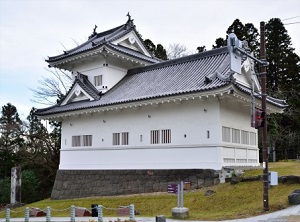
{"points": [[31, 30]]}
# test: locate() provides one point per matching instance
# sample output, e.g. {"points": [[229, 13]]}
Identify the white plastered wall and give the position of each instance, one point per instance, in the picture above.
{"points": [[236, 115], [191, 147], [111, 74]]}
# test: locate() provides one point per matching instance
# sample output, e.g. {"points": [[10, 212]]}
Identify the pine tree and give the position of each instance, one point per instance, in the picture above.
{"points": [[11, 139], [158, 51], [283, 71], [243, 32], [283, 81]]}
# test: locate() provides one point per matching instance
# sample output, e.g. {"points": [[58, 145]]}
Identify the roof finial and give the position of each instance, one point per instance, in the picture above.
{"points": [[94, 32], [129, 17]]}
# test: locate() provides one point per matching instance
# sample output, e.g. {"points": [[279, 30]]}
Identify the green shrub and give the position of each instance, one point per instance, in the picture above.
{"points": [[5, 190]]}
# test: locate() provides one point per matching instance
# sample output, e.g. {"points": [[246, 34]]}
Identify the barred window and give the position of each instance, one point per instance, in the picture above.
{"points": [[245, 137], [166, 136], [98, 80], [116, 138], [252, 138], [76, 141], [87, 140], [125, 138], [226, 134], [236, 136], [154, 137]]}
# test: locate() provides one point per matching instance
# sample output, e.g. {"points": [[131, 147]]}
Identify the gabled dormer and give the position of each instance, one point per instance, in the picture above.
{"points": [[132, 41], [248, 76], [81, 90]]}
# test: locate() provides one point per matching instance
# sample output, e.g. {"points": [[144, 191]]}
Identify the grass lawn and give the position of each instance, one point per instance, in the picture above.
{"points": [[229, 201], [283, 169]]}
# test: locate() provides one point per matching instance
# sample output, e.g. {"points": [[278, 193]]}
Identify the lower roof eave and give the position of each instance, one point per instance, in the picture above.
{"points": [[178, 98]]}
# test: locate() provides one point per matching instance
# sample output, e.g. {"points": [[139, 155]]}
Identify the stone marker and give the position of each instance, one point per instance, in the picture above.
{"points": [[15, 194], [294, 198]]}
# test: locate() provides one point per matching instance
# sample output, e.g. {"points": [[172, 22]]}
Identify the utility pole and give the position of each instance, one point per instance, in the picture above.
{"points": [[263, 76], [235, 48]]}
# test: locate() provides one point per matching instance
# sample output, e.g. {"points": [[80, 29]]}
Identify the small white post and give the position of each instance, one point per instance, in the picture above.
{"points": [[72, 213], [48, 214], [27, 214], [131, 212], [100, 213], [7, 215]]}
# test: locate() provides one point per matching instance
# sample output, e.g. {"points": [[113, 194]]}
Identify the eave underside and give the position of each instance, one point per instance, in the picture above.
{"points": [[229, 93]]}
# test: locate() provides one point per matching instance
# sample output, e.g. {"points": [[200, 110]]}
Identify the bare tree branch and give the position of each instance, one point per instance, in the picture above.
{"points": [[52, 88], [177, 50]]}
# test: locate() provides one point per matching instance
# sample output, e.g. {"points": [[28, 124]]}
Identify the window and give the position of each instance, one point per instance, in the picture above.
{"points": [[235, 136], [87, 140], [154, 137], [226, 134], [98, 80], [160, 136], [252, 138], [76, 141], [166, 136], [125, 138], [116, 138], [245, 137], [121, 138]]}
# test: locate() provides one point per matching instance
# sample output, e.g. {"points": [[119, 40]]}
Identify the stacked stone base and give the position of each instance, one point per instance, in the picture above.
{"points": [[86, 183]]}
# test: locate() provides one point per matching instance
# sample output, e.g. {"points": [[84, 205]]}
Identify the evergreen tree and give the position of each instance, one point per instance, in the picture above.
{"points": [[220, 42], [11, 139], [160, 52], [283, 81], [157, 51], [150, 46], [201, 49], [42, 147], [243, 32], [283, 70]]}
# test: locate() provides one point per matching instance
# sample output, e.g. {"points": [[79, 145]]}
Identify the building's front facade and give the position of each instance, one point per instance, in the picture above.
{"points": [[128, 111]]}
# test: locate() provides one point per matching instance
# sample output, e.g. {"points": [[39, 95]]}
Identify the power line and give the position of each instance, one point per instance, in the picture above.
{"points": [[290, 18], [291, 23]]}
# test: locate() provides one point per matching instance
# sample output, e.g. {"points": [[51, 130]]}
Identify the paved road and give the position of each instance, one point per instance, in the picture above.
{"points": [[291, 214]]}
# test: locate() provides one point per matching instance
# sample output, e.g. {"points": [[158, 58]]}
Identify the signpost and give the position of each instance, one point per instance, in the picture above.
{"points": [[172, 188], [179, 212]]}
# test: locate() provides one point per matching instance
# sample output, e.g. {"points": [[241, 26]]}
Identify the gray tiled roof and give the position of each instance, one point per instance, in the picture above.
{"points": [[277, 102], [105, 39], [132, 52], [195, 73], [83, 81]]}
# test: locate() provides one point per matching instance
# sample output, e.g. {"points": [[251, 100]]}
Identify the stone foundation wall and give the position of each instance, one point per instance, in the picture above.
{"points": [[85, 183]]}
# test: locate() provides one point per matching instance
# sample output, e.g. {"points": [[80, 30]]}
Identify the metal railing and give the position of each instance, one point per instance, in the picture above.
{"points": [[72, 209]]}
